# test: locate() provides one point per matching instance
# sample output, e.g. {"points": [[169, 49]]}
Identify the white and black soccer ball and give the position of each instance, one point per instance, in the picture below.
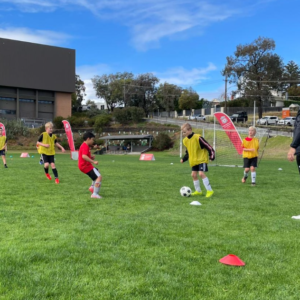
{"points": [[185, 191]]}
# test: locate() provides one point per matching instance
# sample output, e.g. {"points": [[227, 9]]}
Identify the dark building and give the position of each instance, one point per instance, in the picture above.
{"points": [[36, 81]]}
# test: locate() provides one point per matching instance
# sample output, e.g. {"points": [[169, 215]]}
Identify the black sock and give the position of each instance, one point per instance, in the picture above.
{"points": [[46, 170], [55, 173]]}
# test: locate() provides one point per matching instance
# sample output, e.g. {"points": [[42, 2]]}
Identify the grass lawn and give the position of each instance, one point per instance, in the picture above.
{"points": [[143, 240]]}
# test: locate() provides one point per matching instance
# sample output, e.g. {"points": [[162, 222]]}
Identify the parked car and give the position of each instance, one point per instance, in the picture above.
{"points": [[197, 118], [267, 120], [288, 121], [240, 116]]}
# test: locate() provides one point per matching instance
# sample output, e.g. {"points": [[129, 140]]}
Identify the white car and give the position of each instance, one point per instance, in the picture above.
{"points": [[267, 120], [197, 118], [288, 121]]}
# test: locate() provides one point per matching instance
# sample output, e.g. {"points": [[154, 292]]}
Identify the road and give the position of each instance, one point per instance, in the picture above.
{"points": [[208, 125]]}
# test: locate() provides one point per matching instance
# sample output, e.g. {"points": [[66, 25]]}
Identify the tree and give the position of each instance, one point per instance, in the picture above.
{"points": [[291, 74], [143, 92], [79, 94], [167, 94], [188, 99], [91, 104], [255, 69], [294, 94], [111, 88]]}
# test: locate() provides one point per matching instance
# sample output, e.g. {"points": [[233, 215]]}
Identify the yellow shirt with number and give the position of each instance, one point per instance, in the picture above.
{"points": [[50, 140]]}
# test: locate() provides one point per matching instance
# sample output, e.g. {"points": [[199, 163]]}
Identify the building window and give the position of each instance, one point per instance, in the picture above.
{"points": [[7, 112], [25, 100], [45, 102], [102, 107], [7, 99]]}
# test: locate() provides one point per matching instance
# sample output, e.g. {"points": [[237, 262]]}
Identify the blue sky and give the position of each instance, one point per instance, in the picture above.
{"points": [[184, 42]]}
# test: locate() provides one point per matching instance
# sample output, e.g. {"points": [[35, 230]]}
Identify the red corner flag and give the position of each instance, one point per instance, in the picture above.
{"points": [[230, 130], [69, 134]]}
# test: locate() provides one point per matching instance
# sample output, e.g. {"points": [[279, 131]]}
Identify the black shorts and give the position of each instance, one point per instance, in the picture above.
{"points": [[250, 162], [298, 161], [94, 174], [201, 167], [2, 152], [48, 158]]}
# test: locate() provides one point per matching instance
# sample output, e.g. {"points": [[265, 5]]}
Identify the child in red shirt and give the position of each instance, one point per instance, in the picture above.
{"points": [[86, 162]]}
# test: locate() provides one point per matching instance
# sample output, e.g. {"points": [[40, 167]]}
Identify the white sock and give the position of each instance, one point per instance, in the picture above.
{"points": [[207, 184], [97, 189], [197, 186], [253, 177], [245, 174]]}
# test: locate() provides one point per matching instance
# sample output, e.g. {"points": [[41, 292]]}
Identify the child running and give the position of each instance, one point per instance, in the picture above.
{"points": [[86, 162], [250, 146], [3, 143], [46, 146], [198, 152]]}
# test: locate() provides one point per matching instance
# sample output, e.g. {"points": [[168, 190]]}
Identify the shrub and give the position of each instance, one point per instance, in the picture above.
{"points": [[65, 144], [76, 121], [102, 121], [162, 141], [57, 122], [91, 122], [128, 114], [78, 142], [15, 128]]}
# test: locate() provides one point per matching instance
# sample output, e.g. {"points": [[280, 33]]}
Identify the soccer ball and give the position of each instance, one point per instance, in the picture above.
{"points": [[185, 191]]}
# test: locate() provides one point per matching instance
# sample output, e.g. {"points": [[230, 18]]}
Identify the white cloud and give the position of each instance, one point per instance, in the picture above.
{"points": [[183, 77], [86, 73], [149, 21], [34, 36]]}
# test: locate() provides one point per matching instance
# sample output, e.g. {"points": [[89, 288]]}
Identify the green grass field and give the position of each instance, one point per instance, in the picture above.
{"points": [[143, 240]]}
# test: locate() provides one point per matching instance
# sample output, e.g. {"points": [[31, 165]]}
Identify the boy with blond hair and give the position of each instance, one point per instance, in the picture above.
{"points": [[250, 146], [46, 146], [198, 152]]}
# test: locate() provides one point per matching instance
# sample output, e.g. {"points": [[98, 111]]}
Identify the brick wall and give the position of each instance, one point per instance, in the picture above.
{"points": [[63, 104]]}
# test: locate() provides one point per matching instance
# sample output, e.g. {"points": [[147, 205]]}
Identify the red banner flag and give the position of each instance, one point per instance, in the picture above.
{"points": [[3, 129], [230, 130], [69, 134]]}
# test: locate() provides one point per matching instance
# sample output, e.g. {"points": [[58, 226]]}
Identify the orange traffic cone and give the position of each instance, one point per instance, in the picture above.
{"points": [[231, 260]]}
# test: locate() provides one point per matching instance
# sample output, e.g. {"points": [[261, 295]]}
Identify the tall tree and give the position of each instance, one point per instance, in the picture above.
{"points": [[143, 92], [78, 95], [111, 88], [255, 69], [291, 74], [188, 99], [167, 94]]}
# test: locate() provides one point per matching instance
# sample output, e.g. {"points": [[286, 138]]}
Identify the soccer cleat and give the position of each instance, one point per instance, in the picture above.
{"points": [[48, 176], [91, 189], [56, 180], [196, 193], [5, 166], [96, 196], [244, 179], [253, 184], [209, 194]]}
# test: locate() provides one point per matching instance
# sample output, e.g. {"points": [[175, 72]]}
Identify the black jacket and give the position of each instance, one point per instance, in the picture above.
{"points": [[296, 140]]}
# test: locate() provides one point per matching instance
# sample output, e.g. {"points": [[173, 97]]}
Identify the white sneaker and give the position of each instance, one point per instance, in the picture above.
{"points": [[96, 196]]}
